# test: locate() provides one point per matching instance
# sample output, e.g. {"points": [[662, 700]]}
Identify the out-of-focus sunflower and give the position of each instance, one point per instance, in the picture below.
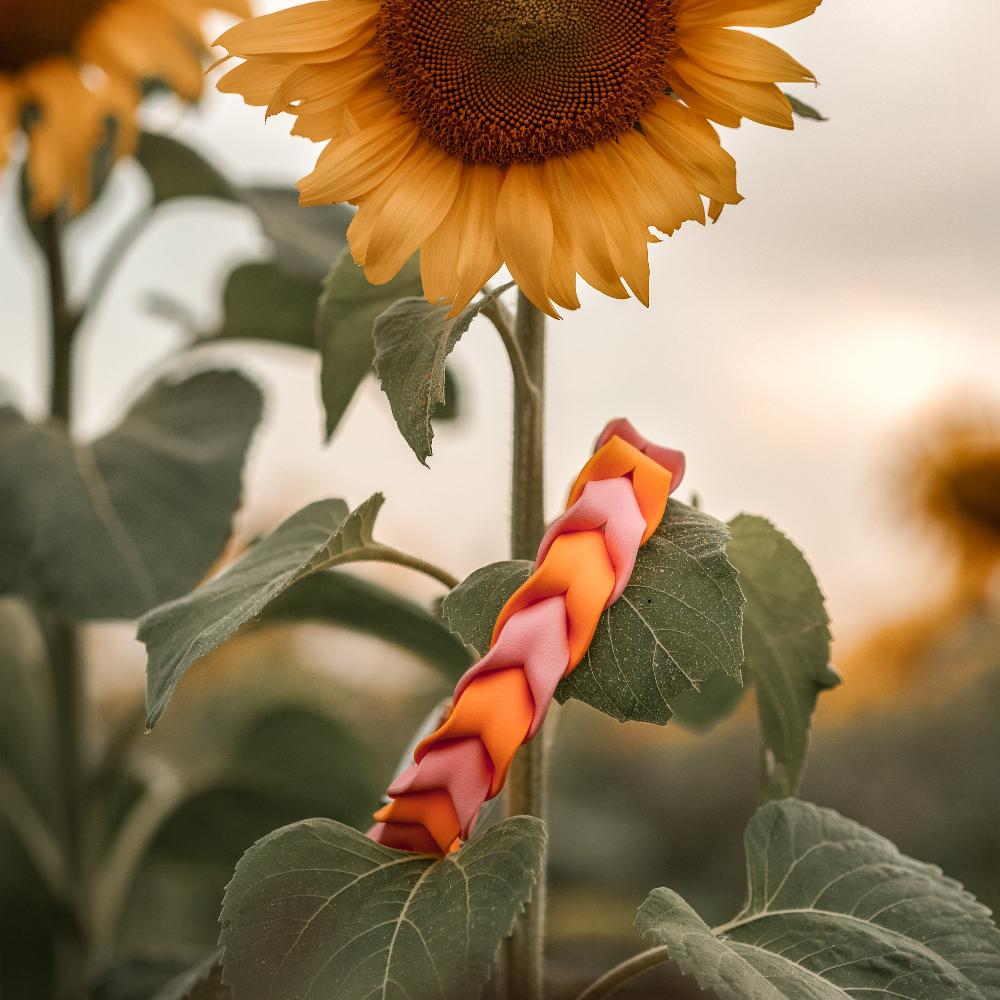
{"points": [[946, 480], [69, 67], [950, 479], [546, 134]]}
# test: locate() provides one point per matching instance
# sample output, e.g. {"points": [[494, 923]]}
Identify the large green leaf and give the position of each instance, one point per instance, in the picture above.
{"points": [[262, 302], [835, 912], [677, 623], [413, 339], [323, 535], [305, 238], [319, 910], [347, 600], [111, 528], [175, 170], [346, 314], [786, 636], [786, 640]]}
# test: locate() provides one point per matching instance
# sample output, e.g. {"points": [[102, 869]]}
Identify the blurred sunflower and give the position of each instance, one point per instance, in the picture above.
{"points": [[949, 478], [69, 67], [549, 135]]}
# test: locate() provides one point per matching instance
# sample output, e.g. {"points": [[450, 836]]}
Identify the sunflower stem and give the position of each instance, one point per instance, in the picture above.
{"points": [[523, 975], [64, 659], [613, 978]]}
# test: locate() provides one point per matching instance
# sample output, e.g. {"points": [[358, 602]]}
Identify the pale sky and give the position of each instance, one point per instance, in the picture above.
{"points": [[786, 349]]}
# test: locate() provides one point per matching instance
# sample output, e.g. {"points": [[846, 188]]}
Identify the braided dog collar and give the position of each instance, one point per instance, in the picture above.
{"points": [[584, 563]]}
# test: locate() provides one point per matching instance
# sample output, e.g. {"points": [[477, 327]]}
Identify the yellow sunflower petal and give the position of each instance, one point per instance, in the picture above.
{"points": [[310, 27], [478, 257], [524, 232], [256, 80], [626, 232], [571, 203], [322, 87], [349, 169], [418, 196], [743, 56], [687, 139], [760, 102], [702, 105], [745, 13]]}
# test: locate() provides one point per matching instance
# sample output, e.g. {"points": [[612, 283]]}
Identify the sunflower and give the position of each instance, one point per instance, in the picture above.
{"points": [[549, 135], [948, 477], [69, 67]]}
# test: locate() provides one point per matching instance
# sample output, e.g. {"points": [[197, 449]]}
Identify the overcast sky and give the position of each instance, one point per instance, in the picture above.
{"points": [[787, 348]]}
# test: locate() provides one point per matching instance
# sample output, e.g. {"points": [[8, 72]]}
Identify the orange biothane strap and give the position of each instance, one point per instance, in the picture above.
{"points": [[541, 634]]}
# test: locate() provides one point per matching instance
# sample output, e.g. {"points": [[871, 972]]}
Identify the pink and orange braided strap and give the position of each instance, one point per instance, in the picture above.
{"points": [[584, 563]]}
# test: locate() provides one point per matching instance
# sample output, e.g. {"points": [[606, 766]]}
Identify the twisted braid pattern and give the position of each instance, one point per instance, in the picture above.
{"points": [[584, 563]]}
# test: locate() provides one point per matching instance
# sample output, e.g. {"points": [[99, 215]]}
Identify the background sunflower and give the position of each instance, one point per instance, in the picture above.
{"points": [[70, 69]]}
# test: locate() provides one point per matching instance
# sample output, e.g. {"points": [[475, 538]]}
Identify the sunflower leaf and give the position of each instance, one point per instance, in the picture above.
{"points": [[305, 237], [342, 599], [834, 912], [677, 624], [177, 635], [804, 110], [200, 982], [786, 635], [111, 528], [346, 313], [262, 302], [175, 170], [413, 339], [349, 918]]}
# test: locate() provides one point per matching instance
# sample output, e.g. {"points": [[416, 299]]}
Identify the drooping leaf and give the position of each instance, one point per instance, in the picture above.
{"points": [[138, 977], [347, 311], [677, 623], [319, 910], [349, 601], [175, 170], [305, 238], [261, 302], [202, 981], [786, 636], [787, 645], [804, 110], [110, 528], [835, 912], [323, 535], [413, 339], [700, 710]]}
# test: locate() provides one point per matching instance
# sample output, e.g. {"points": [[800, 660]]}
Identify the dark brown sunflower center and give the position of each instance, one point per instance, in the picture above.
{"points": [[33, 30], [503, 81]]}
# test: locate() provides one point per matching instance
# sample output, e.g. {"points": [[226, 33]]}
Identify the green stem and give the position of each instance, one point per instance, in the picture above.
{"points": [[62, 322], [524, 968], [67, 686], [615, 977], [386, 553], [73, 947]]}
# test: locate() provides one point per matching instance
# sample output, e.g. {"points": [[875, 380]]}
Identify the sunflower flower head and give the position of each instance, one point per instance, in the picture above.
{"points": [[547, 135], [69, 68]]}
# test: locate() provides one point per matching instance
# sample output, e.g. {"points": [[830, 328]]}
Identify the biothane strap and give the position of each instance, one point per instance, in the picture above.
{"points": [[583, 565]]}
